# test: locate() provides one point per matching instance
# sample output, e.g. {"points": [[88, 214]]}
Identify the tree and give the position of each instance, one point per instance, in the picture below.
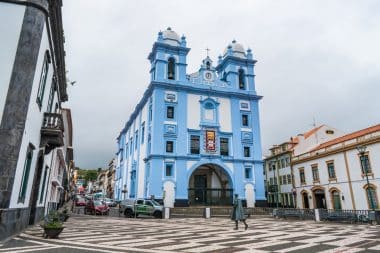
{"points": [[91, 175]]}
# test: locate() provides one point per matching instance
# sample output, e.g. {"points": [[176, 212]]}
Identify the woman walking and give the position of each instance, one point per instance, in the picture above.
{"points": [[238, 213]]}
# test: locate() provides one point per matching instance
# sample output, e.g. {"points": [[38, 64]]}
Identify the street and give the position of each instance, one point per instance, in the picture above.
{"points": [[85, 233]]}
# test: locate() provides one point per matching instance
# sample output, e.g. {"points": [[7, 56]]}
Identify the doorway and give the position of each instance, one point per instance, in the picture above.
{"points": [[320, 199], [305, 200], [35, 188], [210, 184]]}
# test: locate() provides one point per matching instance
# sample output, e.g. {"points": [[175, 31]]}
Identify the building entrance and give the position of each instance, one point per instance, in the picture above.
{"points": [[210, 185], [320, 199]]}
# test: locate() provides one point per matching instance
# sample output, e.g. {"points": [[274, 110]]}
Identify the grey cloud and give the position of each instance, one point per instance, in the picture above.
{"points": [[315, 59]]}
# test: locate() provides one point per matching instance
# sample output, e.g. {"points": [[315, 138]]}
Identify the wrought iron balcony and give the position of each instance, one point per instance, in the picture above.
{"points": [[52, 131]]}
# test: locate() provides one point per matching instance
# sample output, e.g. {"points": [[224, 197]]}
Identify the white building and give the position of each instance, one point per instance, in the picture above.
{"points": [[278, 170], [332, 176], [32, 91]]}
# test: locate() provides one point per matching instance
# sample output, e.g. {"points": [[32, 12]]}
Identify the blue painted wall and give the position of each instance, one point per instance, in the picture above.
{"points": [[224, 84]]}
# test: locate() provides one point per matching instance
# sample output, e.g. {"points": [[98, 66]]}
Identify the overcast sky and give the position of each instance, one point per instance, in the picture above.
{"points": [[316, 59]]}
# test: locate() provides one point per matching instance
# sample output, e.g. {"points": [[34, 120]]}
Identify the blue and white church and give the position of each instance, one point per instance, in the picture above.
{"points": [[193, 139]]}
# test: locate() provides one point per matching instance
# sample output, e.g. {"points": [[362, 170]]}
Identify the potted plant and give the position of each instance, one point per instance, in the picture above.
{"points": [[52, 225]]}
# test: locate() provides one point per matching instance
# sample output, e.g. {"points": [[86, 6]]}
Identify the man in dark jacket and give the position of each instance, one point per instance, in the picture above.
{"points": [[238, 212]]}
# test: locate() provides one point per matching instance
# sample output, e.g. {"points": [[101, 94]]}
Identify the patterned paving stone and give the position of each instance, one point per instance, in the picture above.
{"points": [[85, 234]]}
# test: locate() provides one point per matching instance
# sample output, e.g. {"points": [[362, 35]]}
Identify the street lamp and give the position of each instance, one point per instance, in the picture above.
{"points": [[364, 165], [124, 191]]}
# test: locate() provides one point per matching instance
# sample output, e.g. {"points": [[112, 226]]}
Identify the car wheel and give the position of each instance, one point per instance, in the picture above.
{"points": [[128, 213], [157, 215]]}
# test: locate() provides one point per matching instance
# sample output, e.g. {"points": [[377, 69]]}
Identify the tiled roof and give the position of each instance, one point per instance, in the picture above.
{"points": [[349, 136], [312, 131]]}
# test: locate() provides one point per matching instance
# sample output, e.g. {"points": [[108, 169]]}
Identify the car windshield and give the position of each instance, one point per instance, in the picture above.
{"points": [[98, 203], [155, 202]]}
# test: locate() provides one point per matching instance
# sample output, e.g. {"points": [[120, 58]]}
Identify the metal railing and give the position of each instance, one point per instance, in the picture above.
{"points": [[352, 216], [210, 196], [52, 121]]}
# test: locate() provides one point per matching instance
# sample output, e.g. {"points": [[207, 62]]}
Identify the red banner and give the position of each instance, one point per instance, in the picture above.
{"points": [[210, 140]]}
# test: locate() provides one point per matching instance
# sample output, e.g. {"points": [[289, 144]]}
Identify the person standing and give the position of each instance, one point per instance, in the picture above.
{"points": [[238, 213]]}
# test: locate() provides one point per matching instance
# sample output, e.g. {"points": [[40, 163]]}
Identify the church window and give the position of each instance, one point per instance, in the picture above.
{"points": [[208, 65], [247, 151], [170, 112], [224, 147], [194, 144], [241, 79], [244, 120], [131, 143], [25, 175], [224, 77], [150, 112], [171, 69], [169, 170], [248, 172], [169, 146], [136, 139], [142, 132]]}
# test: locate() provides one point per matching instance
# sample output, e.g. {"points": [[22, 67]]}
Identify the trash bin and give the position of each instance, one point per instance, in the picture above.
{"points": [[371, 216]]}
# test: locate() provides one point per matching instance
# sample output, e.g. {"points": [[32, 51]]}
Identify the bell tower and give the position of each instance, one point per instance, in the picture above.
{"points": [[236, 67], [168, 57]]}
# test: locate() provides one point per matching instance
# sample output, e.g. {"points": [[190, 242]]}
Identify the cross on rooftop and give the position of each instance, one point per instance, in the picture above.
{"points": [[207, 49]]}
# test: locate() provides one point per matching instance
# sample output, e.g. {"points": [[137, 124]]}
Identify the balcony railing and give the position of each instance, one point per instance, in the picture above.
{"points": [[52, 131]]}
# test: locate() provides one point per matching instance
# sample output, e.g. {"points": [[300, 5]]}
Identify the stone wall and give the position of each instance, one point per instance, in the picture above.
{"points": [[13, 221]]}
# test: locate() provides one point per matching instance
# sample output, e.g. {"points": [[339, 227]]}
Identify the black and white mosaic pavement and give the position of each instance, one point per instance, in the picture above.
{"points": [[111, 234]]}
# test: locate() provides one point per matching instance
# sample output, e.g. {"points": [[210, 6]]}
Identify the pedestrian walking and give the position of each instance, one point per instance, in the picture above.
{"points": [[238, 213]]}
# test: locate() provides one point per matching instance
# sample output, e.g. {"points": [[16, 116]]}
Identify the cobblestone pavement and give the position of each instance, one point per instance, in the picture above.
{"points": [[112, 234]]}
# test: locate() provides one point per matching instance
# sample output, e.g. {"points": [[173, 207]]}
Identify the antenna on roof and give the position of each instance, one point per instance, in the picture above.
{"points": [[316, 132]]}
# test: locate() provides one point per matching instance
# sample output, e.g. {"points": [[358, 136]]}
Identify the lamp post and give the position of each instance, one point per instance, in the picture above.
{"points": [[364, 165], [124, 191]]}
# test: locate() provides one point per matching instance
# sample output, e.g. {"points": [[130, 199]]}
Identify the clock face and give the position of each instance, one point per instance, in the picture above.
{"points": [[208, 75]]}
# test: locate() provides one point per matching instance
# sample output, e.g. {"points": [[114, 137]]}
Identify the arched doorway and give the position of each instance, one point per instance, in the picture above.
{"points": [[210, 184], [305, 200], [335, 199], [319, 198]]}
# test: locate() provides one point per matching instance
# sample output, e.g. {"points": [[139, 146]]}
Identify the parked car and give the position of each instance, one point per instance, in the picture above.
{"points": [[96, 207], [109, 202], [80, 201], [132, 208]]}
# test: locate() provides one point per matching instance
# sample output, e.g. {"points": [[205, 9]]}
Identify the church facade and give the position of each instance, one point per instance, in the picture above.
{"points": [[193, 139]]}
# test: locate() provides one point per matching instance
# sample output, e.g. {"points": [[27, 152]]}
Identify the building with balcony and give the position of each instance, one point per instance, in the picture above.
{"points": [[32, 129], [280, 189], [343, 173], [193, 139]]}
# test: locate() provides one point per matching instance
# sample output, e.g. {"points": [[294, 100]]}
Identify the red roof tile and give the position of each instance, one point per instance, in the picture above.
{"points": [[349, 136]]}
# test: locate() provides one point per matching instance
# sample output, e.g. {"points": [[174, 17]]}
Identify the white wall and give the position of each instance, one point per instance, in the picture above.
{"points": [[193, 111], [141, 169], [32, 127], [11, 17], [225, 115], [342, 184]]}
